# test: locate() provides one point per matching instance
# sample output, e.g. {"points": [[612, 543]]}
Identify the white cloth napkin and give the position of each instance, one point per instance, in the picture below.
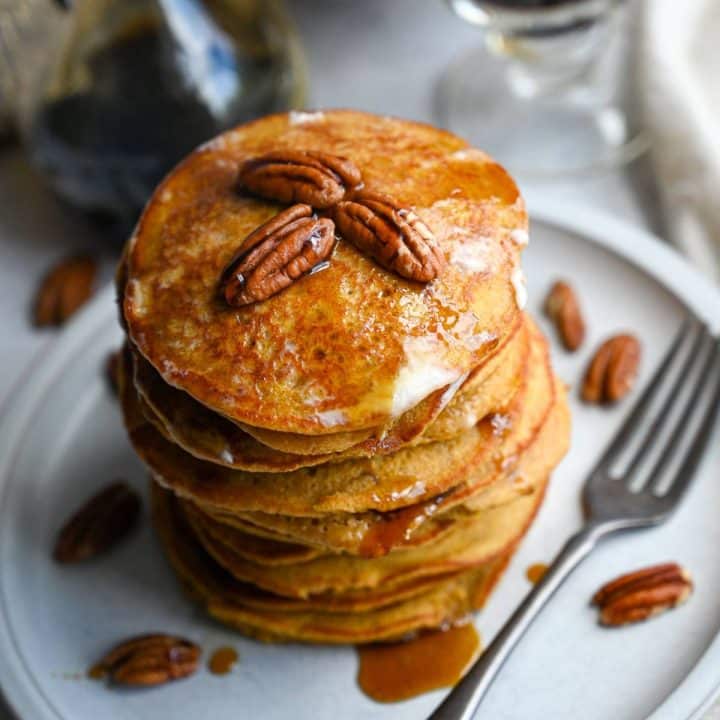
{"points": [[680, 77]]}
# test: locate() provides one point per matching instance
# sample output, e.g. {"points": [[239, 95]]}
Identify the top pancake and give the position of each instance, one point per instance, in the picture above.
{"points": [[350, 347]]}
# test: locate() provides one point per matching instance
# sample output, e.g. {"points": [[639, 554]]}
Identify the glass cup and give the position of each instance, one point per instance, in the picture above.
{"points": [[547, 94]]}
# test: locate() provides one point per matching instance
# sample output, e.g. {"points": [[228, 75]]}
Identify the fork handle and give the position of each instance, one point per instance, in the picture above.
{"points": [[463, 700]]}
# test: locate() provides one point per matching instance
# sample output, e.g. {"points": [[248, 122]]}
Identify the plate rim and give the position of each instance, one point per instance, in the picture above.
{"points": [[636, 245], [700, 687]]}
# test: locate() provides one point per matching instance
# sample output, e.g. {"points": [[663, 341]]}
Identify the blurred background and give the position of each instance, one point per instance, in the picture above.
{"points": [[613, 104], [609, 103]]}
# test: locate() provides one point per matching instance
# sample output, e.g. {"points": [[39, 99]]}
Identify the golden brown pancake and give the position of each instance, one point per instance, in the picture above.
{"points": [[469, 542], [372, 534], [348, 348], [380, 483], [269, 617], [208, 436]]}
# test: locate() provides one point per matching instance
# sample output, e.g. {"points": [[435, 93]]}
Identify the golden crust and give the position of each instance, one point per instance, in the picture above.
{"points": [[208, 436], [372, 534], [379, 483], [328, 354], [353, 617]]}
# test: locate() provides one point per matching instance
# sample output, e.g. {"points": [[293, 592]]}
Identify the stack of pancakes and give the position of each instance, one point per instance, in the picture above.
{"points": [[356, 457]]}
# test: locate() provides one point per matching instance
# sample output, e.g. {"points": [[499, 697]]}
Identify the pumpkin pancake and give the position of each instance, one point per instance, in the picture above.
{"points": [[352, 347], [380, 483], [259, 614], [208, 436], [469, 542], [372, 534]]}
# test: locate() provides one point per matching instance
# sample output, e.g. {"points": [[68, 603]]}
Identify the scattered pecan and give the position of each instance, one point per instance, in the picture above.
{"points": [[292, 176], [292, 244], [63, 290], [112, 368], [643, 594], [99, 524], [612, 371], [148, 660], [391, 234], [563, 309]]}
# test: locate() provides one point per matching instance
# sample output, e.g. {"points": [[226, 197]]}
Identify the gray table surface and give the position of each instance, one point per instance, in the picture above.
{"points": [[376, 55]]}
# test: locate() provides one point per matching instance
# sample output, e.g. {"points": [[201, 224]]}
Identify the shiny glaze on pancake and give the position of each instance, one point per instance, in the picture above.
{"points": [[321, 618], [470, 541], [376, 534], [381, 483], [209, 436], [537, 442], [349, 347]]}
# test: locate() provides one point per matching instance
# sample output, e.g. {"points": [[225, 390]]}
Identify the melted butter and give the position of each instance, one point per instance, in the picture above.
{"points": [[520, 237], [331, 418], [298, 117], [501, 424], [520, 287], [398, 671], [470, 256], [535, 572], [420, 376], [222, 661]]}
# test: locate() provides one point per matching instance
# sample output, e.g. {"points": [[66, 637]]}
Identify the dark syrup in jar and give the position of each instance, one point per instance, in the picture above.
{"points": [[107, 144]]}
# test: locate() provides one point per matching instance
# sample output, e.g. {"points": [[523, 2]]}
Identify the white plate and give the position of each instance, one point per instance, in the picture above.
{"points": [[61, 437]]}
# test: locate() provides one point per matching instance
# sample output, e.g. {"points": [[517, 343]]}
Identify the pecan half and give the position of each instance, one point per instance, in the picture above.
{"points": [[292, 176], [392, 234], [99, 524], [63, 290], [292, 244], [642, 594], [112, 369], [563, 308], [148, 660], [612, 371]]}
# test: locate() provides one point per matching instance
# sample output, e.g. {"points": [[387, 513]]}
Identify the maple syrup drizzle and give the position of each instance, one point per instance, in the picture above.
{"points": [[397, 526], [535, 572], [398, 671], [222, 661]]}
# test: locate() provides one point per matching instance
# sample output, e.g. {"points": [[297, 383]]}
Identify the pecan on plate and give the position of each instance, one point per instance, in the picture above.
{"points": [[148, 660], [392, 234], [286, 247], [612, 371], [642, 594], [300, 176], [563, 308], [63, 290], [99, 524], [113, 361]]}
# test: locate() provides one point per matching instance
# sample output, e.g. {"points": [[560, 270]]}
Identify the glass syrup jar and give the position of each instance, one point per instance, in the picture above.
{"points": [[134, 85]]}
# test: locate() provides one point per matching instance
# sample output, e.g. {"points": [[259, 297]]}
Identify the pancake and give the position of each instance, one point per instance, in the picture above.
{"points": [[393, 434], [346, 349], [445, 600], [374, 534], [380, 483], [208, 436], [469, 542]]}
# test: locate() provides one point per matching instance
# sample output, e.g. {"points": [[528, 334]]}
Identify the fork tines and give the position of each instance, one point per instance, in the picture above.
{"points": [[659, 445]]}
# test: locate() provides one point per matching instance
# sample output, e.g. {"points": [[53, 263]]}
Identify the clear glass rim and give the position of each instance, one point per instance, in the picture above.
{"points": [[503, 18]]}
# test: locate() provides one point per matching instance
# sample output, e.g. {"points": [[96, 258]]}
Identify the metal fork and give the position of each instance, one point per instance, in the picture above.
{"points": [[658, 448]]}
